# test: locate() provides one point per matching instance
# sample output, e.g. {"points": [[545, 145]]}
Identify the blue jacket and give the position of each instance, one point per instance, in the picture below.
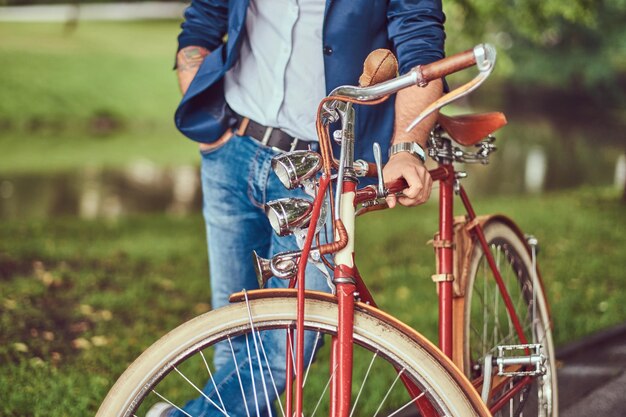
{"points": [[413, 29]]}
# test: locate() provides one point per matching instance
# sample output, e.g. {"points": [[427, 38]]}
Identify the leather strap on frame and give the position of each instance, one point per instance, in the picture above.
{"points": [[442, 277], [478, 220], [462, 246], [441, 243]]}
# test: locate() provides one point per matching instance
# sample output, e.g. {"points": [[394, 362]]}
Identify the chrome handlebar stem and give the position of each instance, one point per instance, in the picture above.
{"points": [[378, 90]]}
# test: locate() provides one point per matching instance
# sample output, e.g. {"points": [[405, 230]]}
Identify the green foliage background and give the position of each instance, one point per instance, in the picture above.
{"points": [[568, 44]]}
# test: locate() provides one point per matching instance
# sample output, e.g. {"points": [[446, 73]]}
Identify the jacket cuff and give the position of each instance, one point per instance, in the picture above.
{"points": [[185, 41]]}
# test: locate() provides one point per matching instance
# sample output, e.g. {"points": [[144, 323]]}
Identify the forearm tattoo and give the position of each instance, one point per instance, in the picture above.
{"points": [[190, 58]]}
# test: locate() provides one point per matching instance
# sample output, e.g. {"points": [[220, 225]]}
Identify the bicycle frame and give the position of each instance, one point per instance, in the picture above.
{"points": [[349, 284]]}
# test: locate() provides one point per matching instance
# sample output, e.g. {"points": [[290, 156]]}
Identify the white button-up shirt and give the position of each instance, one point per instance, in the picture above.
{"points": [[279, 80]]}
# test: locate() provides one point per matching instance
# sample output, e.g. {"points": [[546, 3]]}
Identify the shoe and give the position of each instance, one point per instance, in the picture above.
{"points": [[160, 409]]}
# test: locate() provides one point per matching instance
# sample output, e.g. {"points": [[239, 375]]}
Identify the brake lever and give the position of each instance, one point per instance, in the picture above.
{"points": [[485, 62], [381, 191]]}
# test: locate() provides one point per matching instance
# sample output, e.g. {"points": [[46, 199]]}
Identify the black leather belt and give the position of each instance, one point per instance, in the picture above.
{"points": [[271, 136]]}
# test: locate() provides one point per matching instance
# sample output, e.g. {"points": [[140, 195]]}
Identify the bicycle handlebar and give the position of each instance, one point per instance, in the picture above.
{"points": [[370, 192], [482, 55], [446, 66]]}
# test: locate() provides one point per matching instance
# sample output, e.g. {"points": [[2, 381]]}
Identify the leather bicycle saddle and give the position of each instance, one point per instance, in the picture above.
{"points": [[469, 129]]}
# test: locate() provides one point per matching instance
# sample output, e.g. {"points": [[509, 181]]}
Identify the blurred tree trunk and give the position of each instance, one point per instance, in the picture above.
{"points": [[71, 24], [624, 193]]}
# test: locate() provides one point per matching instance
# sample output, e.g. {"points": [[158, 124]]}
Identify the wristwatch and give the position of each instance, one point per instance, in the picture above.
{"points": [[413, 148]]}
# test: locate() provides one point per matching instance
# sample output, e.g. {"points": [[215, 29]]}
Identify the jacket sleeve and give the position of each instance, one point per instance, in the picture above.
{"points": [[205, 24], [415, 28]]}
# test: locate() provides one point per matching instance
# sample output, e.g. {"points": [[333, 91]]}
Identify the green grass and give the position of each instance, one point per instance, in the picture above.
{"points": [[42, 153], [123, 69], [81, 299], [70, 286], [104, 94]]}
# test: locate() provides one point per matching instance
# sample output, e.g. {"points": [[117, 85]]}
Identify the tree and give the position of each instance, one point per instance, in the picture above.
{"points": [[556, 43]]}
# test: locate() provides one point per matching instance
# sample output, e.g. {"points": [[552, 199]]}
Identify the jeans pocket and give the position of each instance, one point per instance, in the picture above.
{"points": [[207, 149]]}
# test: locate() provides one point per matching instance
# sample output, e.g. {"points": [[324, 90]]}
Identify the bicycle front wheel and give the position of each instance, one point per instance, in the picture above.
{"points": [[176, 367], [488, 323]]}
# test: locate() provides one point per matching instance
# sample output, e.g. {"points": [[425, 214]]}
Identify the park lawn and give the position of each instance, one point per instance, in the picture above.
{"points": [[103, 94], [70, 151], [81, 299], [56, 77]]}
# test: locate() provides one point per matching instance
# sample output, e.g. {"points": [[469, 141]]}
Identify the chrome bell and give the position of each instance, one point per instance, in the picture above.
{"points": [[287, 214], [295, 167]]}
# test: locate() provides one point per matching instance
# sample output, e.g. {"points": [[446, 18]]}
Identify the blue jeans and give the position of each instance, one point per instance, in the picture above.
{"points": [[237, 181]]}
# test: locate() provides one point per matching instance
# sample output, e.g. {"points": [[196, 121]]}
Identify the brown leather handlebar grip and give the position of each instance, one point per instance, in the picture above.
{"points": [[380, 65], [446, 66]]}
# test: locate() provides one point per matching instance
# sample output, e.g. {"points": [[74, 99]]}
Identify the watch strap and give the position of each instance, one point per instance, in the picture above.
{"points": [[413, 148]]}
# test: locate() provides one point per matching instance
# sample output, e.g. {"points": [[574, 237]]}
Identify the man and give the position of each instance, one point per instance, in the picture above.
{"points": [[252, 73]]}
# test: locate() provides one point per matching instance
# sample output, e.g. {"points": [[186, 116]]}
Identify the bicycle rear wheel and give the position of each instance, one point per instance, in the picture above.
{"points": [[487, 322], [178, 363]]}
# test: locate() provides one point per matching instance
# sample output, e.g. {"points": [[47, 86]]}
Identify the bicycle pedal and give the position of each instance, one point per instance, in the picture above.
{"points": [[530, 363]]}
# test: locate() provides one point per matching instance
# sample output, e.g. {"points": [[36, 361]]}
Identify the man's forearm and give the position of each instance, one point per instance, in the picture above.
{"points": [[409, 103], [188, 60]]}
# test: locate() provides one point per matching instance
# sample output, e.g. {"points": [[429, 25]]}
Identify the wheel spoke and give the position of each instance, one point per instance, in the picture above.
{"points": [[496, 296], [172, 404], [291, 351], [243, 395], [411, 401], [308, 367], [319, 401], [485, 313], [258, 356], [367, 373], [251, 366], [200, 391], [269, 371], [212, 381], [389, 392], [535, 280], [504, 341]]}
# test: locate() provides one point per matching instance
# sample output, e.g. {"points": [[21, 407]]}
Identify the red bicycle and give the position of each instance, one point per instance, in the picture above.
{"points": [[495, 353]]}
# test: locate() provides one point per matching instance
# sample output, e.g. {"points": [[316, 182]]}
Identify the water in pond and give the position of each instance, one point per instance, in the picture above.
{"points": [[526, 162], [91, 192]]}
